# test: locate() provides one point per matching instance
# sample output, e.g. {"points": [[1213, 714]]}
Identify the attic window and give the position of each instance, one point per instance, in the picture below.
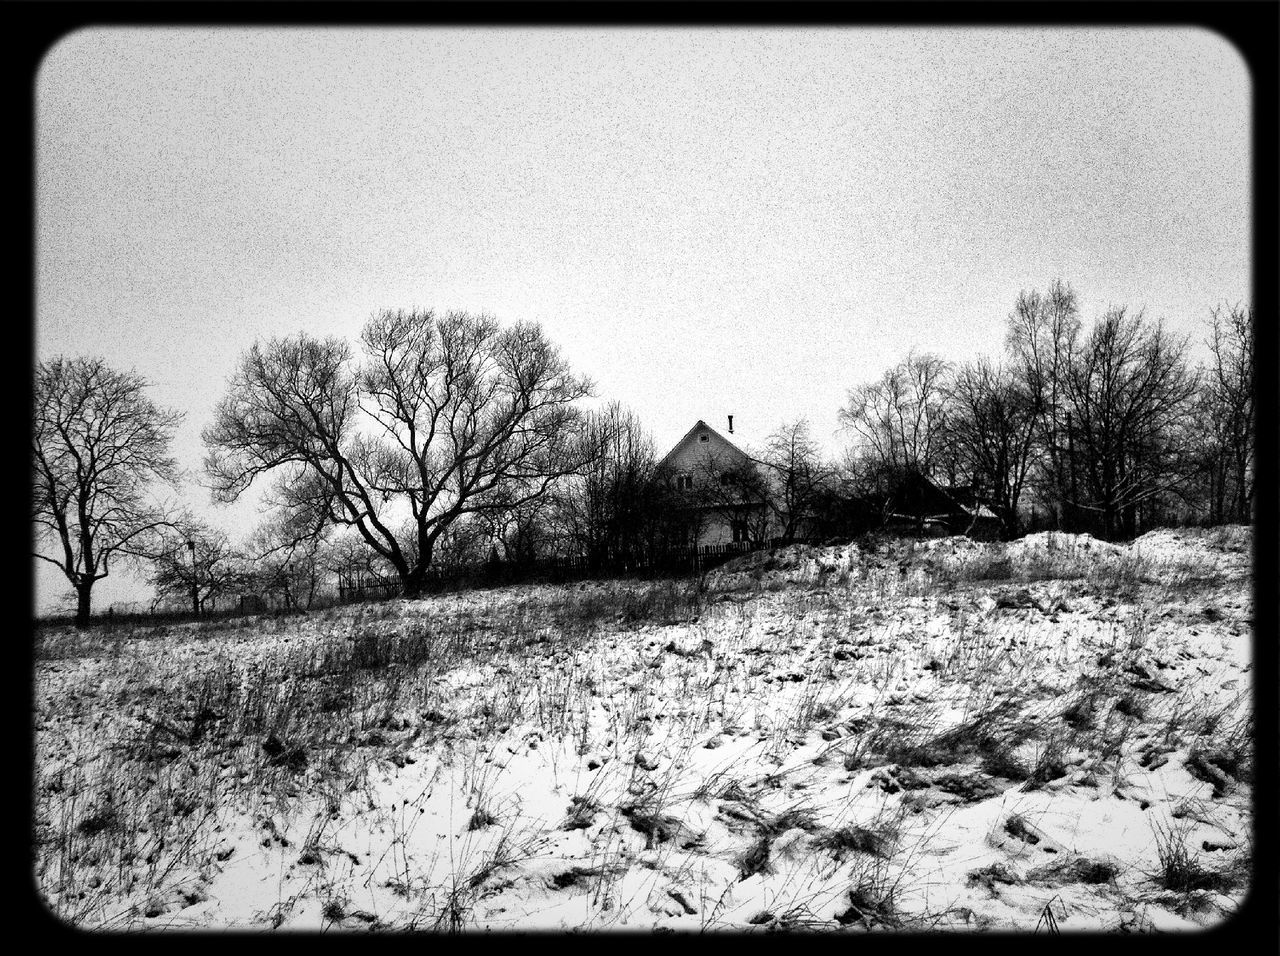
{"points": [[684, 482], [703, 437]]}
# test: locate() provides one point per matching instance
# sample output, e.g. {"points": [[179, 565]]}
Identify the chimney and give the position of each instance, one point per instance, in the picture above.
{"points": [[730, 424]]}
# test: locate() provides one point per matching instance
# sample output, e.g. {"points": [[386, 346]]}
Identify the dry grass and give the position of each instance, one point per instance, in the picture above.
{"points": [[149, 739]]}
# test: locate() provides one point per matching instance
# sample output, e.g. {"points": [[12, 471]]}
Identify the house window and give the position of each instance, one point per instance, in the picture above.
{"points": [[726, 479], [703, 438], [684, 482], [739, 526]]}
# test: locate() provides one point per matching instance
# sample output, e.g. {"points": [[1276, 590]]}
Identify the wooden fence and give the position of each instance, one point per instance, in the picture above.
{"points": [[672, 561], [351, 589]]}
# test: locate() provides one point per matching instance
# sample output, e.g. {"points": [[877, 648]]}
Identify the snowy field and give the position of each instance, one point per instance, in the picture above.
{"points": [[1050, 735]]}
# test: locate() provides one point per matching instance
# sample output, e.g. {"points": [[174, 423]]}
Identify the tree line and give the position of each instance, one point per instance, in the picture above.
{"points": [[1108, 429], [447, 439]]}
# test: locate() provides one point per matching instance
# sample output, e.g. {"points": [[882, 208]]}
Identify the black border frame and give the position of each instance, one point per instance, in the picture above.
{"points": [[1252, 27]]}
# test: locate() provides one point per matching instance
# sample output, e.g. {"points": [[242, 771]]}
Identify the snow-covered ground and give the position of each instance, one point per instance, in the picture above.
{"points": [[1053, 734]]}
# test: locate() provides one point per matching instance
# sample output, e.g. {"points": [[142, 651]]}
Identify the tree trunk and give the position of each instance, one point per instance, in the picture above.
{"points": [[1010, 529], [83, 602], [1073, 523], [1243, 498], [414, 582], [1216, 496], [1129, 522]]}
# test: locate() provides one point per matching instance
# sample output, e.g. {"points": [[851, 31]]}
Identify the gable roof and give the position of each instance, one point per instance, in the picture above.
{"points": [[688, 438]]}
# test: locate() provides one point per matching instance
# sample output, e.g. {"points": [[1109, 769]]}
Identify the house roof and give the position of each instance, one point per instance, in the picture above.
{"points": [[699, 426], [915, 491], [974, 504]]}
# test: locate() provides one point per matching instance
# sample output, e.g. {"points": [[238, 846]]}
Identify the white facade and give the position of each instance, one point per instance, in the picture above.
{"points": [[703, 455]]}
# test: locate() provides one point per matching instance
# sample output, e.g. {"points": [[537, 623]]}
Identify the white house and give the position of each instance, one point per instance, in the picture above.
{"points": [[701, 467]]}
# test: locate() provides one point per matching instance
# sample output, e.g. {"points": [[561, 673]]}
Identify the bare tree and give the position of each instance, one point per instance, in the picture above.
{"points": [[524, 531], [993, 426], [287, 561], [1129, 392], [1229, 401], [848, 503], [465, 542], [446, 416], [614, 510], [900, 425], [797, 475], [1041, 340], [100, 448], [736, 492], [345, 555], [199, 562], [901, 418], [294, 578]]}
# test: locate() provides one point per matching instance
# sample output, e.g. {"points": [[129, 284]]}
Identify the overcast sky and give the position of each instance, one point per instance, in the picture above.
{"points": [[707, 221]]}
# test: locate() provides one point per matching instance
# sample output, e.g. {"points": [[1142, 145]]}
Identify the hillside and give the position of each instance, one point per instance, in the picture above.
{"points": [[1056, 733]]}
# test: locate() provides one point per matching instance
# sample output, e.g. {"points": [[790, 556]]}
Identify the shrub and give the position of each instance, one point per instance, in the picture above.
{"points": [[854, 839], [1180, 870]]}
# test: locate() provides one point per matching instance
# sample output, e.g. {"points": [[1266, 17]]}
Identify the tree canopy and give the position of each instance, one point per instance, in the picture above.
{"points": [[100, 449], [438, 417]]}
